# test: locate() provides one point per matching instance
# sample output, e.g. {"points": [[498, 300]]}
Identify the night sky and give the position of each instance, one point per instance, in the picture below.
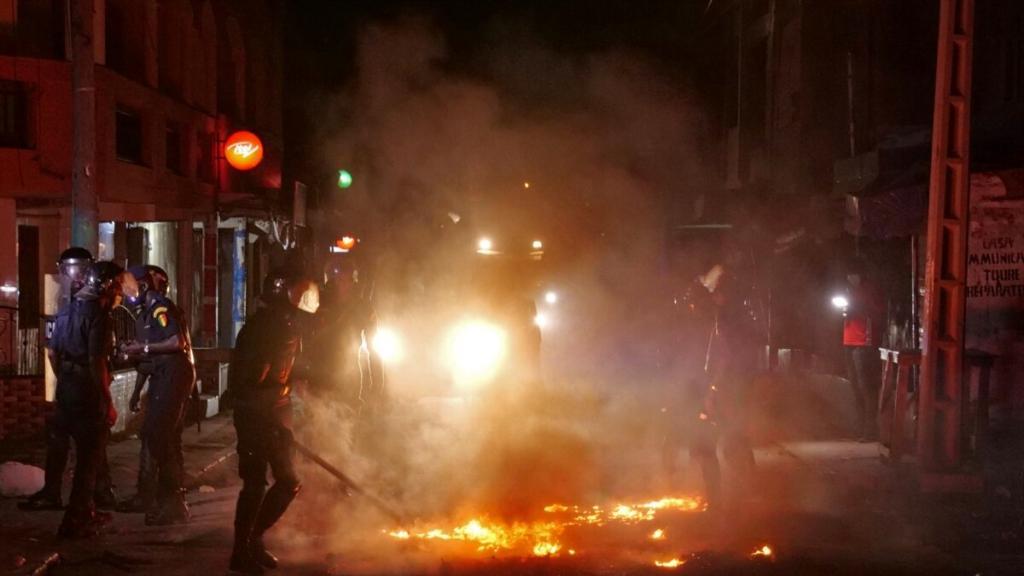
{"points": [[321, 36]]}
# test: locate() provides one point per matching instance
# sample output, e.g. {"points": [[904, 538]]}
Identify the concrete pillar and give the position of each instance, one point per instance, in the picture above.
{"points": [[209, 327], [8, 251], [185, 269]]}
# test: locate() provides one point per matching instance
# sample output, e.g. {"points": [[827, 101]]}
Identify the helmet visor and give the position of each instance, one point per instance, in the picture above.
{"points": [[74, 270]]}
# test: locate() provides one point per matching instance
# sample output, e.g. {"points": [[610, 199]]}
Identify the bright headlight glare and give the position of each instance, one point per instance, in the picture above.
{"points": [[551, 297], [840, 302], [387, 345], [476, 351]]}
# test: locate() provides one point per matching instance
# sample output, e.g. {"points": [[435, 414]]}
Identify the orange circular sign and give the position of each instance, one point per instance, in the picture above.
{"points": [[244, 150]]}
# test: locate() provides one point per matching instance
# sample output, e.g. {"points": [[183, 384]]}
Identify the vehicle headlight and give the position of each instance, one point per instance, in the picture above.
{"points": [[476, 351], [387, 345]]}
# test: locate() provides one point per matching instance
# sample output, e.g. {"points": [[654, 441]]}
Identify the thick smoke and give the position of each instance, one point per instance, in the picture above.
{"points": [[441, 156]]}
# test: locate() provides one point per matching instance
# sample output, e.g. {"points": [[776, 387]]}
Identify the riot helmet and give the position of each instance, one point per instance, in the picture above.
{"points": [[147, 278], [73, 264], [289, 288], [104, 278]]}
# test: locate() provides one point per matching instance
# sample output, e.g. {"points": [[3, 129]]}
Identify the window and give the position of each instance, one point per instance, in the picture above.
{"points": [[32, 28], [14, 131], [173, 148], [8, 25], [125, 38], [128, 128]]}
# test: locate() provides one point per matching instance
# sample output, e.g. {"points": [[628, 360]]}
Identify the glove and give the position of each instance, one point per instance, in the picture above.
{"points": [[133, 403]]}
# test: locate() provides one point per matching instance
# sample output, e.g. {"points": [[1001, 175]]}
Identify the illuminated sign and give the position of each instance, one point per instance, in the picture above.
{"points": [[243, 150]]}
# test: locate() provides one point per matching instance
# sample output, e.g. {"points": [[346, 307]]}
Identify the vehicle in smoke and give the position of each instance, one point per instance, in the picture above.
{"points": [[479, 327]]}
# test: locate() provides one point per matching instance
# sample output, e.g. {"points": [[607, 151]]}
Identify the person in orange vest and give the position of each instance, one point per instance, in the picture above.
{"points": [[863, 311]]}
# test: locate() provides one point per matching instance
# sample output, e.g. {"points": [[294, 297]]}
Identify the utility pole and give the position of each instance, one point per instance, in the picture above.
{"points": [[84, 206], [941, 403]]}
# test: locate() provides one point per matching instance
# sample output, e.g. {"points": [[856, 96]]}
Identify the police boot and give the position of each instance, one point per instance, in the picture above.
{"points": [[249, 500], [259, 553], [79, 525], [174, 510], [242, 562], [45, 499], [278, 498]]}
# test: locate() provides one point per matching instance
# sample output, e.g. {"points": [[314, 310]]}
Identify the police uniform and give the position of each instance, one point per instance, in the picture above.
{"points": [[261, 366], [82, 343], [58, 446], [170, 385], [732, 364], [146, 484], [334, 360]]}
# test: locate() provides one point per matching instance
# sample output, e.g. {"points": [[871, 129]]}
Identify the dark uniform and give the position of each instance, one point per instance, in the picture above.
{"points": [[731, 363], [58, 446], [261, 366], [340, 360], [170, 386], [146, 483], [82, 343]]}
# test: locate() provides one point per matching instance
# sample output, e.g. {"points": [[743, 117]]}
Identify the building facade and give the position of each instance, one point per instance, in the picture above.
{"points": [[174, 78], [823, 112]]}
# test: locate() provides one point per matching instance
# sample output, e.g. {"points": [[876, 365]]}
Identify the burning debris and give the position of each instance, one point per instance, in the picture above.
{"points": [[763, 552], [543, 537], [670, 564]]}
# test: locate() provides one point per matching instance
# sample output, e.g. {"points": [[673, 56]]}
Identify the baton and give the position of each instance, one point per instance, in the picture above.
{"points": [[347, 481]]}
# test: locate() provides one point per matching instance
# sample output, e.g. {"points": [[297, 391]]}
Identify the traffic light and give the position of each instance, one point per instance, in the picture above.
{"points": [[344, 179]]}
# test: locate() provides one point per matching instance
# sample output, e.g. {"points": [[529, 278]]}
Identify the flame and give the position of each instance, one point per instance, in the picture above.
{"points": [[546, 549], [542, 538], [765, 551], [673, 563]]}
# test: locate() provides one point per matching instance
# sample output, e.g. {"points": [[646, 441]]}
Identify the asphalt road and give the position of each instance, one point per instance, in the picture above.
{"points": [[823, 507]]}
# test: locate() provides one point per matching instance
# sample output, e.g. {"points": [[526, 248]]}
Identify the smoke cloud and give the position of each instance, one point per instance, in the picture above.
{"points": [[598, 155]]}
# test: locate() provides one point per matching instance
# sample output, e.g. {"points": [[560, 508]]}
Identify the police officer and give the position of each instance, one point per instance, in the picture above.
{"points": [[164, 343], [340, 361], [144, 499], [259, 384], [731, 364], [72, 266], [82, 345]]}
